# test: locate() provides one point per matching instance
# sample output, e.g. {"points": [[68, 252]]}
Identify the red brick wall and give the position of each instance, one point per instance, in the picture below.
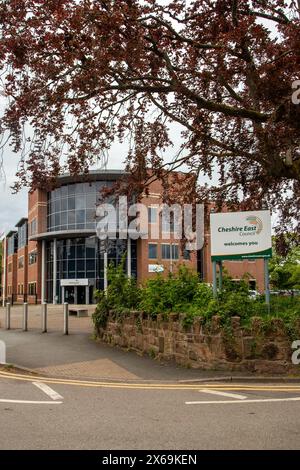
{"points": [[12, 276], [22, 273], [37, 209], [154, 198], [255, 269]]}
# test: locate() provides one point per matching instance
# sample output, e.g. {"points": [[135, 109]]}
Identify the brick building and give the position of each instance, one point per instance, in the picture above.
{"points": [[55, 255]]}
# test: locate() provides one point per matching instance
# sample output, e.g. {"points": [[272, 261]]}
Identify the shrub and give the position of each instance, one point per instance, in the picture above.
{"points": [[122, 295], [172, 294], [184, 293]]}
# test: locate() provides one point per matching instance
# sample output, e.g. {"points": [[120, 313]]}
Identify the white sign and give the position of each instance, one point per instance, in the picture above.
{"points": [[74, 282], [155, 268], [241, 235]]}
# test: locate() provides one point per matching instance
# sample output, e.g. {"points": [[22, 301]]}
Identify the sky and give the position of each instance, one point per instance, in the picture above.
{"points": [[15, 206]]}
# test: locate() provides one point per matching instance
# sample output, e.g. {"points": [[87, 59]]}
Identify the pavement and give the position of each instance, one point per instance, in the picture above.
{"points": [[79, 355], [83, 394]]}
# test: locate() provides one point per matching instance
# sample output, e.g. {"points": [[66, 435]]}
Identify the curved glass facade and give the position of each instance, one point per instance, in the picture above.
{"points": [[83, 258], [72, 207], [79, 261]]}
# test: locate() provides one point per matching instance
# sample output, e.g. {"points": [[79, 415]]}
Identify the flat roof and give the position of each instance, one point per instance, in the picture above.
{"points": [[11, 233], [93, 175], [21, 221]]}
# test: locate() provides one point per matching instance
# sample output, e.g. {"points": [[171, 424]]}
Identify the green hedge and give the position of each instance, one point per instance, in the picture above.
{"points": [[184, 293]]}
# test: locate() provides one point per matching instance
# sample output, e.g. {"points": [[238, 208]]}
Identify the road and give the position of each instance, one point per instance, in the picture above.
{"points": [[64, 414]]}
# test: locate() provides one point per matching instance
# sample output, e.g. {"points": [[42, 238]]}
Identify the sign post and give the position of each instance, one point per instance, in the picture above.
{"points": [[220, 275], [267, 283], [215, 288], [240, 236]]}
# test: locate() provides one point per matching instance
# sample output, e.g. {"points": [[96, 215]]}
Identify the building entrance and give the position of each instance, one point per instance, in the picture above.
{"points": [[75, 291]]}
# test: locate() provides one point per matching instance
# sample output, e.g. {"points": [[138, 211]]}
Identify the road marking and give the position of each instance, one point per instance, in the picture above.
{"points": [[149, 386], [31, 402], [225, 394], [224, 402], [49, 391]]}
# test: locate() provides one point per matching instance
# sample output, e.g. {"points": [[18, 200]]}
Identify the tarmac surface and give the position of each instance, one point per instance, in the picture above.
{"points": [[82, 394]]}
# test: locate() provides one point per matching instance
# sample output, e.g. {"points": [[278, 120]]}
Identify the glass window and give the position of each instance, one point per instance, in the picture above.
{"points": [[152, 215], [90, 265], [165, 251], [64, 204], [22, 236], [33, 227], [90, 215], [57, 205], [80, 266], [71, 203], [64, 191], [168, 250], [91, 200], [79, 188], [71, 218], [90, 248], [57, 220], [64, 220], [80, 217], [152, 251], [175, 252], [71, 265], [79, 202], [186, 254], [80, 251], [32, 257], [71, 189]]}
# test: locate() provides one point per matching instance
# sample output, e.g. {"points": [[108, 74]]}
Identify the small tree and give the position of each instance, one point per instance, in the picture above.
{"points": [[285, 271]]}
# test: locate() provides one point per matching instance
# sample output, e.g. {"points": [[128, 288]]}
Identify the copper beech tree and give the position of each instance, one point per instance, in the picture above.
{"points": [[81, 73]]}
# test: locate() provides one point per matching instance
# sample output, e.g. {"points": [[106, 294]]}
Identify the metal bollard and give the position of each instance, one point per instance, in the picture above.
{"points": [[25, 316], [44, 317], [7, 320], [66, 318]]}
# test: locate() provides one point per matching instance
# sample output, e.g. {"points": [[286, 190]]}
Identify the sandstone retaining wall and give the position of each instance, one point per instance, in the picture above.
{"points": [[234, 348]]}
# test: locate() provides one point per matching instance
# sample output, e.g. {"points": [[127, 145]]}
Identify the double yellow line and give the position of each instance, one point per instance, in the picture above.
{"points": [[152, 386]]}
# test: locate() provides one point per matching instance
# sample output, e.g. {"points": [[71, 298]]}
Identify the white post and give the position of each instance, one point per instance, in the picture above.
{"points": [[44, 317], [7, 323], [66, 318], [220, 275], [87, 295], [43, 274], [25, 316], [129, 256], [2, 352], [54, 270], [4, 272], [105, 270]]}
